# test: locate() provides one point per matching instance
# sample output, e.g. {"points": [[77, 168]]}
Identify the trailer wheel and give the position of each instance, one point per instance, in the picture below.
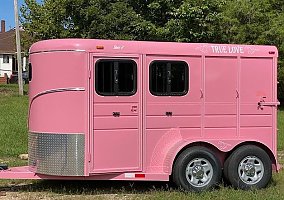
{"points": [[197, 169], [225, 171], [249, 167]]}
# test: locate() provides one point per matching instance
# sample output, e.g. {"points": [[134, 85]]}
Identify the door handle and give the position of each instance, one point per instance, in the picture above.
{"points": [[134, 109], [169, 114], [262, 103], [273, 104], [116, 114]]}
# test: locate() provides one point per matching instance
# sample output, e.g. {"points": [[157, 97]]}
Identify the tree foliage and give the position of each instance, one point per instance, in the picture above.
{"points": [[219, 21], [163, 20]]}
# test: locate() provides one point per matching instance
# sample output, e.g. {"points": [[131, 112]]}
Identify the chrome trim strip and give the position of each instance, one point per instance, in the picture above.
{"points": [[66, 50], [71, 89]]}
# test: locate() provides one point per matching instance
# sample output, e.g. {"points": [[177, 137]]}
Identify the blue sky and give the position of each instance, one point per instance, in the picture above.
{"points": [[7, 12]]}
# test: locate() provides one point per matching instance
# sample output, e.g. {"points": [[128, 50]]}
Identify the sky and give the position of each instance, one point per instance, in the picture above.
{"points": [[7, 12]]}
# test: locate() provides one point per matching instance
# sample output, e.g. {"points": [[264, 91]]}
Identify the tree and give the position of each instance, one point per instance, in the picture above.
{"points": [[195, 21], [166, 20], [46, 21], [79, 18]]}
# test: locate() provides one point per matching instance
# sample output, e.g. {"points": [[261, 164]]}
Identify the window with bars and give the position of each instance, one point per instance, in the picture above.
{"points": [[116, 77], [169, 78]]}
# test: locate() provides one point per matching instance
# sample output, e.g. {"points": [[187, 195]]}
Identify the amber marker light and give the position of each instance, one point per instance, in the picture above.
{"points": [[100, 47]]}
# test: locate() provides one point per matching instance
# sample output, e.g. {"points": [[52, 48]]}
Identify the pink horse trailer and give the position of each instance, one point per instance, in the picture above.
{"points": [[141, 111]]}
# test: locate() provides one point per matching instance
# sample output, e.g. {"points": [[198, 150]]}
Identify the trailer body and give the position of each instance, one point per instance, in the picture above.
{"points": [[125, 110]]}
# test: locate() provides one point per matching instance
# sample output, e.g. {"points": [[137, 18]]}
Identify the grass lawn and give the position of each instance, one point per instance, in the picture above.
{"points": [[281, 129], [13, 122]]}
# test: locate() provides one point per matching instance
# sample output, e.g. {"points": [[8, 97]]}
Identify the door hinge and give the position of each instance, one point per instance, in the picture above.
{"points": [[238, 94]]}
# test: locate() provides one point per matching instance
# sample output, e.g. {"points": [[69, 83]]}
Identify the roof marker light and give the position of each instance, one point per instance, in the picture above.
{"points": [[271, 52], [100, 47]]}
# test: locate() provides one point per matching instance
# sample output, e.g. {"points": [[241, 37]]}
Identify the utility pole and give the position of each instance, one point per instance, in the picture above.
{"points": [[18, 43]]}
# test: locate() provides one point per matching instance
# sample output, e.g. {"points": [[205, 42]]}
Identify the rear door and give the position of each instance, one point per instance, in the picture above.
{"points": [[258, 105], [117, 117]]}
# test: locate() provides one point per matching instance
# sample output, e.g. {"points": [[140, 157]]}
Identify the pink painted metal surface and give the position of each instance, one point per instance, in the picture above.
{"points": [[224, 106], [118, 137], [121, 150], [53, 71], [24, 173], [154, 48]]}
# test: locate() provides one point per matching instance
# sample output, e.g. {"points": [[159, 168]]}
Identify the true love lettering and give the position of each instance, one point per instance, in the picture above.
{"points": [[227, 49]]}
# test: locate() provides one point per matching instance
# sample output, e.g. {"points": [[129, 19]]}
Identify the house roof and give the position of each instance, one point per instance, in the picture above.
{"points": [[8, 42]]}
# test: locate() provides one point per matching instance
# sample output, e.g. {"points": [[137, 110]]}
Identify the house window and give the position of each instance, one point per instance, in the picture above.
{"points": [[30, 72], [169, 78], [6, 59], [116, 77]]}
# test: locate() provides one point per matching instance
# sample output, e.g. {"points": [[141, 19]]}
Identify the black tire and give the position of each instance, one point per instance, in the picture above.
{"points": [[249, 167], [184, 174], [225, 171]]}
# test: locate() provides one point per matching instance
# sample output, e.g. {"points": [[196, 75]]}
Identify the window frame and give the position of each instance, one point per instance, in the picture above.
{"points": [[7, 59], [116, 93], [168, 92], [30, 72]]}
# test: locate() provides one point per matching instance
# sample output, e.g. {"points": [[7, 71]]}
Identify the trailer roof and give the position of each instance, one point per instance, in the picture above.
{"points": [[147, 47]]}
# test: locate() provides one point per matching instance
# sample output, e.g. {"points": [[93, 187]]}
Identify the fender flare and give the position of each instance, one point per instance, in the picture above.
{"points": [[218, 146]]}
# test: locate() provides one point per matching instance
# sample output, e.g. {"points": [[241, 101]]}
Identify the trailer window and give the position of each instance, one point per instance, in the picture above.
{"points": [[169, 78], [116, 77]]}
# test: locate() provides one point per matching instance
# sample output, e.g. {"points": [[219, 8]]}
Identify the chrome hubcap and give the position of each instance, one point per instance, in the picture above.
{"points": [[199, 172], [251, 170]]}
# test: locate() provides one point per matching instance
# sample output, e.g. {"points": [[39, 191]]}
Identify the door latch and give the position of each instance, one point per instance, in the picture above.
{"points": [[263, 103], [273, 104]]}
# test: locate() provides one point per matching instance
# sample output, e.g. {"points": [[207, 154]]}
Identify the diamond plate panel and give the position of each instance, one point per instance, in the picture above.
{"points": [[57, 154]]}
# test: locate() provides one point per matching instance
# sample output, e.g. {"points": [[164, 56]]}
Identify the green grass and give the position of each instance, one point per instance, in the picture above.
{"points": [[13, 141], [13, 121], [281, 129], [134, 190]]}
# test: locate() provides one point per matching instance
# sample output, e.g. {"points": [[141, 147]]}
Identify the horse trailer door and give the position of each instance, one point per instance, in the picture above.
{"points": [[116, 141]]}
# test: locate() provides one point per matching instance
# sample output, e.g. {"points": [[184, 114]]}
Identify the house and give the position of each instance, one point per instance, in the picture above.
{"points": [[8, 61]]}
